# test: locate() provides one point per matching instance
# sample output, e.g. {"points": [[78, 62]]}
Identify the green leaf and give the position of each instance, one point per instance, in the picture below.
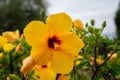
{"points": [[83, 63], [83, 77], [30, 74], [1, 48], [14, 77], [91, 29], [116, 68]]}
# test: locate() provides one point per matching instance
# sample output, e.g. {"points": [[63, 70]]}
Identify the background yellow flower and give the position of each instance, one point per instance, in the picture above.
{"points": [[78, 23], [3, 40], [11, 36], [8, 47]]}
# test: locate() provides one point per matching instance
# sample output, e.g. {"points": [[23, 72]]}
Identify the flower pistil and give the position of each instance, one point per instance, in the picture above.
{"points": [[54, 43]]}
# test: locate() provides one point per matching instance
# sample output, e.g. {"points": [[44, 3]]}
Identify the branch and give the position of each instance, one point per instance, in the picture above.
{"points": [[94, 70], [95, 52], [105, 75], [108, 58]]}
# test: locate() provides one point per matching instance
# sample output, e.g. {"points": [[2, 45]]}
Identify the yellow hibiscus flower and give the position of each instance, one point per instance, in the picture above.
{"points": [[5, 45], [8, 47], [78, 23], [3, 40], [53, 42], [11, 36]]}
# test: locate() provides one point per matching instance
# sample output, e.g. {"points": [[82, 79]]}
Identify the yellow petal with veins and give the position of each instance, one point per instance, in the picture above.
{"points": [[41, 54], [59, 24], [62, 62], [71, 43], [35, 32]]}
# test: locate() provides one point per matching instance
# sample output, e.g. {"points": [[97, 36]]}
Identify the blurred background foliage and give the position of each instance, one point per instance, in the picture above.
{"points": [[117, 22], [15, 14]]}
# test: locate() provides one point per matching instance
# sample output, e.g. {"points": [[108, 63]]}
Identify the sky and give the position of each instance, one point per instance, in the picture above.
{"points": [[85, 10]]}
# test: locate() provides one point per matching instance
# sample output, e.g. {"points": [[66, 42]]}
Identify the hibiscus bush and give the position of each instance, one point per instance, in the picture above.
{"points": [[59, 49]]}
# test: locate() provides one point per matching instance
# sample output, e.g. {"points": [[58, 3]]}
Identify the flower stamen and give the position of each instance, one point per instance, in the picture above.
{"points": [[54, 43]]}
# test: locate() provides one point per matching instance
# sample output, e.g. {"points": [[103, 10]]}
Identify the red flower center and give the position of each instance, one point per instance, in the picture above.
{"points": [[54, 42], [44, 66]]}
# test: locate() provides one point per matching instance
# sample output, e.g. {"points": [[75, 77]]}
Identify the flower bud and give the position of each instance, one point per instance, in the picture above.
{"points": [[92, 22], [28, 64]]}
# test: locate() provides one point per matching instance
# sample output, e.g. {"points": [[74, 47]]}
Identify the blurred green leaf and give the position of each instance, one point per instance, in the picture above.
{"points": [[116, 68], [14, 77]]}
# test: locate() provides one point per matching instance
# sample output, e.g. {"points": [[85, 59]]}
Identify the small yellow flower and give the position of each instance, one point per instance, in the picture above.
{"points": [[64, 77], [8, 47], [113, 56], [91, 62], [3, 40], [11, 36], [54, 42], [8, 78], [1, 55], [79, 57], [98, 61], [45, 72], [78, 61], [78, 23]]}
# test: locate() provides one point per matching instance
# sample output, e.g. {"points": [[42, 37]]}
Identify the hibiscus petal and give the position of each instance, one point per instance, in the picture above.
{"points": [[45, 73], [59, 23], [71, 43], [62, 62], [41, 54], [35, 32]]}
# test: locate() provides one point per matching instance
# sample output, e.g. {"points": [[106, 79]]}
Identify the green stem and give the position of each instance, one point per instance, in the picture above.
{"points": [[94, 71], [11, 66], [75, 73]]}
